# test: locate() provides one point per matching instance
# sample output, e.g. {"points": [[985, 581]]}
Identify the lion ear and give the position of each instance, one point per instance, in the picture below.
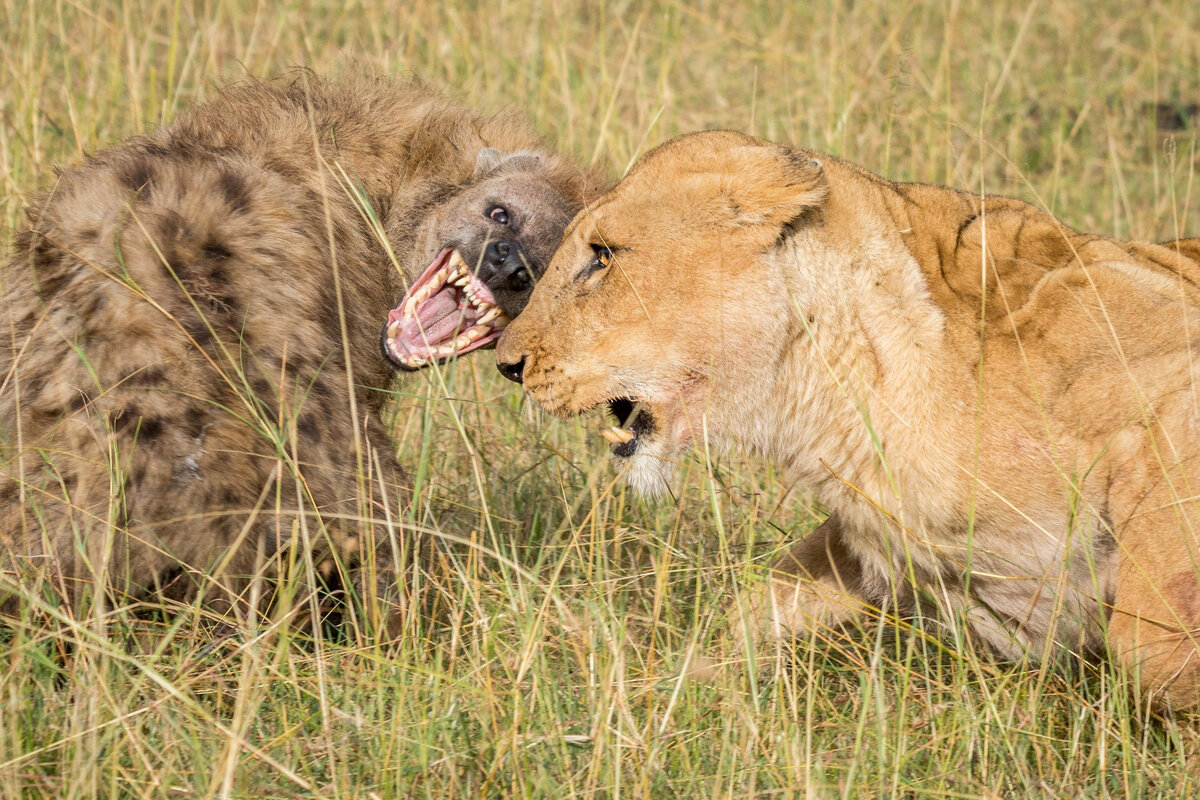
{"points": [[768, 186], [488, 159]]}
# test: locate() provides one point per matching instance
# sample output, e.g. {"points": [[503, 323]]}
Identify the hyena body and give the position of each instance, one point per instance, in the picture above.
{"points": [[190, 330]]}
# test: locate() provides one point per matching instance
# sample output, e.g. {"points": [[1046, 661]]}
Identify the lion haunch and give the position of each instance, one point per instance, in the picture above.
{"points": [[191, 328], [1000, 412]]}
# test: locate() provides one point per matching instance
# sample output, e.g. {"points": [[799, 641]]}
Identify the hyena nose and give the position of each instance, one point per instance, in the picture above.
{"points": [[497, 252], [514, 372], [504, 267]]}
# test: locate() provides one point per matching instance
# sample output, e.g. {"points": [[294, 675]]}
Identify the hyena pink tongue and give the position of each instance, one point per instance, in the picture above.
{"points": [[437, 318]]}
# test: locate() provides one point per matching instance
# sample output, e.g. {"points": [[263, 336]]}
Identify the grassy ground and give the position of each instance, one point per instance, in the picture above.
{"points": [[587, 655]]}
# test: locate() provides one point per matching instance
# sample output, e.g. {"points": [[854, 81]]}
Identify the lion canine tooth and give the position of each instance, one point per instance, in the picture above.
{"points": [[617, 435]]}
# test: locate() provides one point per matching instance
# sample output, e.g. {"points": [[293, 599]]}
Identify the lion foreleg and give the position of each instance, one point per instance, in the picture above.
{"points": [[816, 586]]}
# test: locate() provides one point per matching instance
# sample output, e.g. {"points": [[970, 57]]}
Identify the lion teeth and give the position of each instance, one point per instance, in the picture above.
{"points": [[617, 435]]}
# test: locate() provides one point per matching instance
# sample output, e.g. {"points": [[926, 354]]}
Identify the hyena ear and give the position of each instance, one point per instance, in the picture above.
{"points": [[767, 186], [488, 159]]}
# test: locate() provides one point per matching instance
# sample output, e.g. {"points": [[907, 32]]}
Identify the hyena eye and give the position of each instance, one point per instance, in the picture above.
{"points": [[498, 214], [602, 260]]}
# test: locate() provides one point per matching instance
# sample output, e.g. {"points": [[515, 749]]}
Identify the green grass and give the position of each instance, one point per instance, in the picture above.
{"points": [[586, 652]]}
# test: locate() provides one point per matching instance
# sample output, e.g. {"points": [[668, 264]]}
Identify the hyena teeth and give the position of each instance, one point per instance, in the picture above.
{"points": [[492, 313], [478, 332], [617, 435], [393, 329], [463, 340], [500, 322], [456, 260], [439, 277], [462, 280]]}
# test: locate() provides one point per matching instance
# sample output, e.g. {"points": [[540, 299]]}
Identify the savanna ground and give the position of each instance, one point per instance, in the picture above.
{"points": [[586, 654]]}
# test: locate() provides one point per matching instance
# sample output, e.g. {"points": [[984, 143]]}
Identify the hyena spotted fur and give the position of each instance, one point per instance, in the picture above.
{"points": [[191, 335]]}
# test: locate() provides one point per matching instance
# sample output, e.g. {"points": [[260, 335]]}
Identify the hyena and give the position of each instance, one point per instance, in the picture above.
{"points": [[191, 327]]}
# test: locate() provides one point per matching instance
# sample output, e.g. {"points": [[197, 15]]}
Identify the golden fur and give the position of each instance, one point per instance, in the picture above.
{"points": [[1001, 413]]}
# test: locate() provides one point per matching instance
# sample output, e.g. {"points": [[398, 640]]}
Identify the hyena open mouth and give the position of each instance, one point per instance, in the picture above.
{"points": [[447, 312]]}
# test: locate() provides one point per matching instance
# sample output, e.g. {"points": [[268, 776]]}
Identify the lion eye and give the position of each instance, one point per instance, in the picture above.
{"points": [[602, 260], [498, 214]]}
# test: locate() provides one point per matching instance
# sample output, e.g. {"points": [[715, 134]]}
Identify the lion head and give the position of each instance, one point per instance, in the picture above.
{"points": [[657, 302]]}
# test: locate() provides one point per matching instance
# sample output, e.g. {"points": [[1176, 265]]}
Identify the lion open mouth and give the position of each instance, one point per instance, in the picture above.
{"points": [[634, 423], [447, 312]]}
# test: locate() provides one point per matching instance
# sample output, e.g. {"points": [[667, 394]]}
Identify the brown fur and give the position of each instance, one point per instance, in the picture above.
{"points": [[1000, 412], [191, 365]]}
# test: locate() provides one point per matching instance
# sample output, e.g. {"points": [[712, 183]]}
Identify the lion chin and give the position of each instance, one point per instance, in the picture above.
{"points": [[648, 471]]}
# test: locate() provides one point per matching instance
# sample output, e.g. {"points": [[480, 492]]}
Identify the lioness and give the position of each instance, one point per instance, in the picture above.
{"points": [[1000, 412], [191, 330]]}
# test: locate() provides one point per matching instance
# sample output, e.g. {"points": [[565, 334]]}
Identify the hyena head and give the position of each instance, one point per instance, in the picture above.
{"points": [[493, 238]]}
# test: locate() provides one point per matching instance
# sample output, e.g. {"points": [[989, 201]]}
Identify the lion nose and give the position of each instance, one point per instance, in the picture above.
{"points": [[514, 372]]}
